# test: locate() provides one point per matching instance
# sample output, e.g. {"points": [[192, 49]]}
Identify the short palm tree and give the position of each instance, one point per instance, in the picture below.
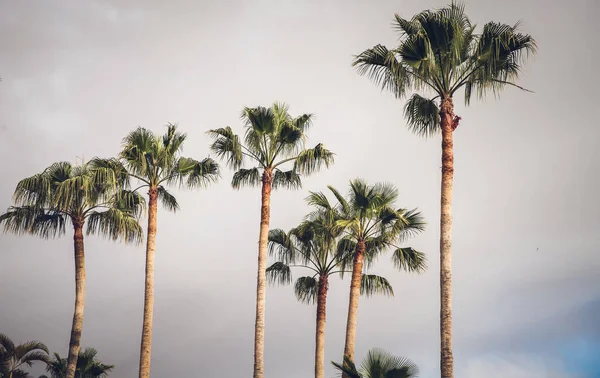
{"points": [[87, 366], [371, 225], [440, 54], [379, 364], [13, 357], [63, 193], [273, 139], [155, 162], [313, 246]]}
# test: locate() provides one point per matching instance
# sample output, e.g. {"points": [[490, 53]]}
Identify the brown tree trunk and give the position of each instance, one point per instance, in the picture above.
{"points": [[261, 280], [146, 345], [446, 357], [320, 336], [77, 325], [353, 303]]}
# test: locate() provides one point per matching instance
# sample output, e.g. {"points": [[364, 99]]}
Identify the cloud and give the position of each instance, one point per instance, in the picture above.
{"points": [[514, 366]]}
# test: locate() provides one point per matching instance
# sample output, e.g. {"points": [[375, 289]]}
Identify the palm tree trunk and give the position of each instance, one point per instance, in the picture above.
{"points": [[146, 345], [320, 336], [261, 281], [353, 303], [446, 357], [77, 326]]}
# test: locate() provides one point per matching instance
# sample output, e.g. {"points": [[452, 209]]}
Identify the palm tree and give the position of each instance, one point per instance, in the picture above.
{"points": [[371, 225], [312, 246], [379, 364], [155, 162], [62, 193], [439, 54], [12, 356], [272, 139], [87, 366]]}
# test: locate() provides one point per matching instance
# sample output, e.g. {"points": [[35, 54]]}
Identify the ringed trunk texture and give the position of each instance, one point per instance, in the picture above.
{"points": [[320, 336], [77, 326], [353, 303], [261, 280], [446, 357], [146, 345]]}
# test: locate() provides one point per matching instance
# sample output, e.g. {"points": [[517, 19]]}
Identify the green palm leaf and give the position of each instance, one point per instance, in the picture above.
{"points": [[306, 289], [372, 284]]}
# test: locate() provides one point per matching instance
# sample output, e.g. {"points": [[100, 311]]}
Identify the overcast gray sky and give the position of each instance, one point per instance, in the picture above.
{"points": [[78, 75]]}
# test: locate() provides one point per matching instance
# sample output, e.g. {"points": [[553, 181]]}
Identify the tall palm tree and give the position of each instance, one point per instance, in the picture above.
{"points": [[155, 162], [87, 366], [273, 139], [440, 54], [13, 357], [379, 364], [371, 225], [62, 193], [312, 246]]}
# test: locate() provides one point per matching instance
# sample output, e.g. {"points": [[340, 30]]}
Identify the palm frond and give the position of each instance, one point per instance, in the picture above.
{"points": [[288, 179], [406, 28], [319, 200], [343, 205], [499, 55], [33, 220], [172, 142], [167, 199], [262, 119], [417, 52], [347, 368], [30, 348], [280, 273], [282, 246], [381, 363], [383, 67], [411, 223], [306, 289], [346, 248], [423, 116], [246, 177], [139, 154], [409, 260], [371, 284], [193, 173], [115, 223], [311, 160], [227, 146], [109, 172], [6, 344]]}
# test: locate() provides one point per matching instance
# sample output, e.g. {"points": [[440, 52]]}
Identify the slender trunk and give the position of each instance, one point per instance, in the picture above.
{"points": [[320, 336], [261, 280], [353, 303], [77, 325], [447, 124], [146, 345]]}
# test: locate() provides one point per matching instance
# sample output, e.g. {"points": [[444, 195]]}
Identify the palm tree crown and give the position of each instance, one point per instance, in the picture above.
{"points": [[367, 216], [440, 53], [13, 357], [379, 364], [272, 139], [154, 160], [62, 193], [87, 366]]}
